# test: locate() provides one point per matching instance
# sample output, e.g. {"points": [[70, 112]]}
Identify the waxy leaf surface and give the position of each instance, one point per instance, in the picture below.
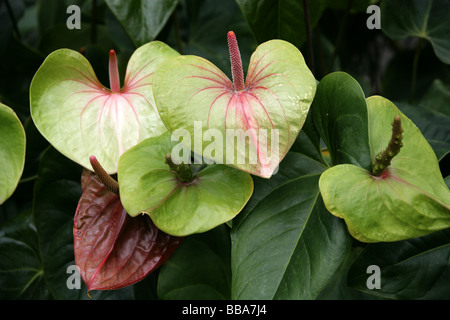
{"points": [[12, 151], [142, 20], [80, 117], [285, 20], [427, 19], [340, 115], [216, 195], [251, 129], [411, 269], [409, 200], [285, 244], [113, 249]]}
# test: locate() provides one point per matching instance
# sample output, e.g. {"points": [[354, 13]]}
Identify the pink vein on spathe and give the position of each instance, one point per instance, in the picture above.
{"points": [[240, 101], [133, 81]]}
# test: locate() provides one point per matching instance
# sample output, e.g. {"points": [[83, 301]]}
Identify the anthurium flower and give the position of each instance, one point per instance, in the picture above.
{"points": [[112, 249], [180, 199], [249, 124], [80, 117], [404, 196]]}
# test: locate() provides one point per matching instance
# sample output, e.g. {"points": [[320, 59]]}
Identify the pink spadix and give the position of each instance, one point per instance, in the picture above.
{"points": [[236, 62], [114, 79]]}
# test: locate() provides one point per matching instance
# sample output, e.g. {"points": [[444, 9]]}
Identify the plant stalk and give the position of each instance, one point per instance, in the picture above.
{"points": [[308, 35], [414, 71], [13, 19], [341, 34], [93, 24]]}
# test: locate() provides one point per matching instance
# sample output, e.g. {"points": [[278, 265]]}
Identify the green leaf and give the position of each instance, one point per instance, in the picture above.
{"points": [[280, 234], [408, 200], [199, 268], [142, 20], [411, 269], [434, 126], [289, 246], [437, 98], [57, 191], [193, 94], [21, 273], [284, 20], [147, 184], [80, 117], [12, 151], [340, 114], [425, 19]]}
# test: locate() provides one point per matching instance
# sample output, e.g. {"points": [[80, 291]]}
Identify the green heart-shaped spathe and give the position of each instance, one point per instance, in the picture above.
{"points": [[197, 98], [12, 151], [410, 200], [80, 117], [147, 185]]}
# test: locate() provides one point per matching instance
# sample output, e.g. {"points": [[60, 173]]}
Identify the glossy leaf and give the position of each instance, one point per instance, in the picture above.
{"points": [[80, 117], [340, 114], [270, 19], [21, 272], [194, 95], [199, 268], [434, 126], [409, 200], [281, 233], [216, 195], [411, 269], [289, 245], [113, 249], [425, 19], [12, 151], [142, 20], [437, 97]]}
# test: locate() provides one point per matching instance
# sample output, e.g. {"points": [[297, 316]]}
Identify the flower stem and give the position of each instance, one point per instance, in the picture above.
{"points": [[383, 159], [236, 62], [414, 72], [104, 177], [183, 171], [308, 35], [114, 79], [13, 19]]}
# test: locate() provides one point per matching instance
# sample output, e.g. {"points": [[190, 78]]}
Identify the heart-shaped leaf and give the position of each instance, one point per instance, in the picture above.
{"points": [[80, 117], [12, 151], [342, 122], [426, 19], [409, 199], [113, 249], [147, 184], [286, 245], [264, 114]]}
